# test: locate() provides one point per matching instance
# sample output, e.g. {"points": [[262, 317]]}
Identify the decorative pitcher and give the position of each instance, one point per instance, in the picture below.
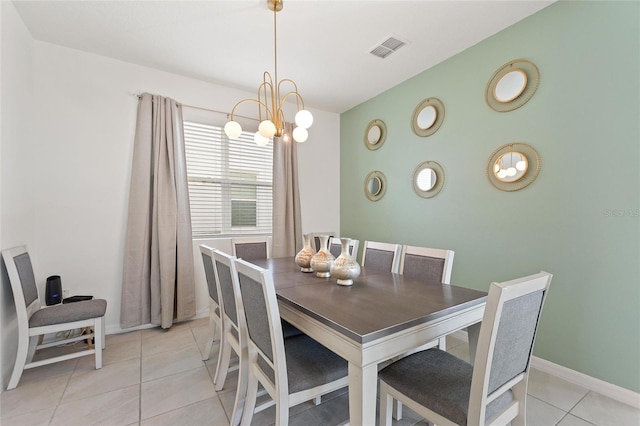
{"points": [[321, 261], [303, 258], [345, 268]]}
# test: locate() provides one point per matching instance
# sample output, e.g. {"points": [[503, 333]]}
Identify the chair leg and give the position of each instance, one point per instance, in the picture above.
{"points": [[386, 402], [317, 400], [250, 402], [222, 368], [210, 339], [34, 341], [241, 391], [99, 338], [397, 410], [21, 357], [442, 343], [104, 334]]}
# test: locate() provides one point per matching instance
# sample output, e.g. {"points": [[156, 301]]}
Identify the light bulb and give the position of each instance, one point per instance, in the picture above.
{"points": [[511, 171], [260, 140], [267, 129], [304, 119], [300, 134], [502, 174], [233, 129], [496, 168], [521, 165]]}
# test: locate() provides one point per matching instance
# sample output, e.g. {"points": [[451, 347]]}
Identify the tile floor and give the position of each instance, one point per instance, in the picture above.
{"points": [[155, 377]]}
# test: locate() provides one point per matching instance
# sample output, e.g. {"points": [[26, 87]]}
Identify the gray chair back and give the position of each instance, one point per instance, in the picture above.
{"points": [[210, 276], [228, 295], [423, 267], [27, 279], [251, 251]]}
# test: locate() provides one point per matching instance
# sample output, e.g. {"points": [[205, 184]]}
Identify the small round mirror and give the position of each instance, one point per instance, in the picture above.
{"points": [[375, 134], [510, 86], [427, 117], [375, 185], [510, 166], [428, 179]]}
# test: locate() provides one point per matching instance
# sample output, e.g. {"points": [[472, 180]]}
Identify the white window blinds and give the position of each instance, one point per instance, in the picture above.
{"points": [[230, 182]]}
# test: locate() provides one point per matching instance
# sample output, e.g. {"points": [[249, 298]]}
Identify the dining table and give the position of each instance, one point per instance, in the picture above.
{"points": [[379, 317]]}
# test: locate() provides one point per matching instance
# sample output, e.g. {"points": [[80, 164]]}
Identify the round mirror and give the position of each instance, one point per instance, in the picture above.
{"points": [[427, 117], [375, 185], [510, 86], [428, 179], [513, 166], [375, 134], [510, 166]]}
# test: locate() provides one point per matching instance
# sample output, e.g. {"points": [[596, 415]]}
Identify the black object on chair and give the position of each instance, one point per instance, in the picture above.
{"points": [[53, 294]]}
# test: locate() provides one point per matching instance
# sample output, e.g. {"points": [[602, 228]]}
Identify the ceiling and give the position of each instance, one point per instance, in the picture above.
{"points": [[323, 45]]}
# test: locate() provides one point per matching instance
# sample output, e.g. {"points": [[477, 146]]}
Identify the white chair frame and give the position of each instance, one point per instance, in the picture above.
{"points": [[499, 294], [353, 246], [395, 248], [251, 240], [28, 336], [215, 320]]}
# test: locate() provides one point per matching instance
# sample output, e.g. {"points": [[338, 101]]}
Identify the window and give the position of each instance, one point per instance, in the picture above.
{"points": [[230, 182]]}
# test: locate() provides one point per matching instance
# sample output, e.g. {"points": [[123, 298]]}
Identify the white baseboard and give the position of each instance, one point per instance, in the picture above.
{"points": [[607, 389], [115, 329]]}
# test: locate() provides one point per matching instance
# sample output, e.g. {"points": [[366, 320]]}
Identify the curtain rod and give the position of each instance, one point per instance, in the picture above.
{"points": [[208, 109]]}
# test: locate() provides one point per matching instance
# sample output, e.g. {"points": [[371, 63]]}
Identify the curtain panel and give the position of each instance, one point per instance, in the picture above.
{"points": [[158, 279]]}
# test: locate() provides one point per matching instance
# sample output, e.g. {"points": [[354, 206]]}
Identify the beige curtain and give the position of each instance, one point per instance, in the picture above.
{"points": [[287, 228], [158, 284]]}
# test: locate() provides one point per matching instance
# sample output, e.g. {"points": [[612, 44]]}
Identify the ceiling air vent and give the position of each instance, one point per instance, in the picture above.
{"points": [[387, 47]]}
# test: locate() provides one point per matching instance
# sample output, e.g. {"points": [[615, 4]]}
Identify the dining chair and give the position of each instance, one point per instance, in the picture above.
{"points": [[336, 247], [251, 248], [447, 390], [292, 370], [232, 314], [35, 320], [215, 318], [381, 256], [316, 238]]}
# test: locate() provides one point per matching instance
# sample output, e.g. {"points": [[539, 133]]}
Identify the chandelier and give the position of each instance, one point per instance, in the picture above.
{"points": [[271, 99]]}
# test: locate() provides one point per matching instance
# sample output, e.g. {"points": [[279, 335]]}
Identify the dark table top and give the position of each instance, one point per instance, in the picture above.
{"points": [[376, 305]]}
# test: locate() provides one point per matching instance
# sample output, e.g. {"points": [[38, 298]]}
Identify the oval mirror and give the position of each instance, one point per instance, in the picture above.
{"points": [[428, 179], [510, 166], [375, 134], [427, 117], [375, 185], [510, 86], [513, 166]]}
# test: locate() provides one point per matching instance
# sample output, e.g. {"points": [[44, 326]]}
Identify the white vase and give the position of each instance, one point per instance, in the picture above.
{"points": [[303, 258], [345, 268], [321, 261]]}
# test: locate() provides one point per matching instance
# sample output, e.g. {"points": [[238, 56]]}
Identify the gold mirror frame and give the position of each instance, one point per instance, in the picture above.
{"points": [[383, 134], [533, 166], [437, 187], [383, 185], [532, 80], [439, 108]]}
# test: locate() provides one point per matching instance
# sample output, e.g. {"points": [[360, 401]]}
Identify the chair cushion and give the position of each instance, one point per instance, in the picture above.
{"points": [[71, 312], [309, 364], [439, 381]]}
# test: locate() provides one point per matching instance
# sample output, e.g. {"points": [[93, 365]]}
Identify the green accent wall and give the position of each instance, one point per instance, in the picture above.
{"points": [[578, 220]]}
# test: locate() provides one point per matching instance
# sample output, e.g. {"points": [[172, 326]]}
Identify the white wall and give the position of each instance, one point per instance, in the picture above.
{"points": [[17, 217], [85, 108]]}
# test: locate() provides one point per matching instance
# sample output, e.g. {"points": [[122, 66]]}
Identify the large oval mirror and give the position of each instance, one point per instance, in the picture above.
{"points": [[513, 166], [427, 117], [375, 134], [428, 179], [375, 185], [512, 85]]}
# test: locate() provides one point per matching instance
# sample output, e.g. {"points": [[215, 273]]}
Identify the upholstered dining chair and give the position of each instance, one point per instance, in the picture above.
{"points": [[292, 370], [336, 247], [251, 248], [215, 318], [232, 320], [35, 320], [316, 238], [381, 256], [446, 390]]}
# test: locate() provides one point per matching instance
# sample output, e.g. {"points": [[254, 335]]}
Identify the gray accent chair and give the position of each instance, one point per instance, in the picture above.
{"points": [[35, 320], [446, 390], [215, 318], [381, 256], [292, 370]]}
